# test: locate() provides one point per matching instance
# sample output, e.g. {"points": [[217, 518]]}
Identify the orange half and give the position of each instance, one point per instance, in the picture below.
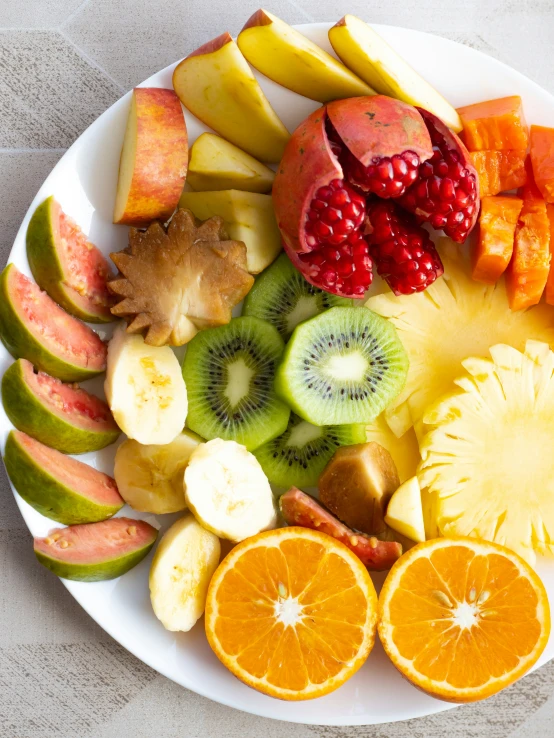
{"points": [[291, 612], [462, 618]]}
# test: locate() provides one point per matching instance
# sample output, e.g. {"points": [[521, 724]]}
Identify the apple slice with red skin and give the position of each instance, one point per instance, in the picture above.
{"points": [[33, 327], [96, 551], [298, 508], [59, 415], [154, 158]]}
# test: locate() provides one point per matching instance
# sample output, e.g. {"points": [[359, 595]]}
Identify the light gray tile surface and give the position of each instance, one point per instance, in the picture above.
{"points": [[61, 64], [33, 14]]}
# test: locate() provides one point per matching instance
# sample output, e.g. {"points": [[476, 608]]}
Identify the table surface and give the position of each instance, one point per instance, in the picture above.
{"points": [[62, 63]]}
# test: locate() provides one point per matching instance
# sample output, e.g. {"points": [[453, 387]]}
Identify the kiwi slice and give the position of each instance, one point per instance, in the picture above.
{"points": [[298, 456], [343, 366], [284, 298], [229, 373]]}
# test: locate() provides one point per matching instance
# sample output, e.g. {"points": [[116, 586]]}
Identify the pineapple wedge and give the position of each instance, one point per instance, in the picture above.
{"points": [[405, 513], [404, 451], [453, 319], [487, 456]]}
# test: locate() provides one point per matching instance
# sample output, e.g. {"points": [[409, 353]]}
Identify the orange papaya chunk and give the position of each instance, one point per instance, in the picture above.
{"points": [[499, 171], [549, 292], [495, 124], [497, 225], [542, 157], [528, 270], [487, 164]]}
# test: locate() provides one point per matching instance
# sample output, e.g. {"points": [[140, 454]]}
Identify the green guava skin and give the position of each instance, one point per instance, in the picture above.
{"points": [[30, 415], [21, 343], [98, 572], [47, 268], [47, 494]]}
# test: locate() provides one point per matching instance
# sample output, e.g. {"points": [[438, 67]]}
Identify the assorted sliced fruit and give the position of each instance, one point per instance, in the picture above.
{"points": [[377, 409]]}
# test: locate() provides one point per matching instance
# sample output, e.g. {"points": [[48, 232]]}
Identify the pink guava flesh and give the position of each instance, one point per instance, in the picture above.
{"points": [[84, 479], [53, 327], [96, 543], [69, 402], [85, 267]]}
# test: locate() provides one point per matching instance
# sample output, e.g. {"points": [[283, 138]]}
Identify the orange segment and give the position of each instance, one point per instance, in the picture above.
{"points": [[497, 225], [527, 273], [494, 124], [291, 612], [462, 618], [542, 156]]}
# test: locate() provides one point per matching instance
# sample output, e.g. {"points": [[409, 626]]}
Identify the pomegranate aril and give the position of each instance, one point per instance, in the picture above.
{"points": [[403, 253], [386, 176], [446, 188], [335, 212]]}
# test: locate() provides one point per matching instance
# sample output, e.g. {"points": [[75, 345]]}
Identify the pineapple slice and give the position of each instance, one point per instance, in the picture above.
{"points": [[404, 451], [453, 319], [487, 455]]}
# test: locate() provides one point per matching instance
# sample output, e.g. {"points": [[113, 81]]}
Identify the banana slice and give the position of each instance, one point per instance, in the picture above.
{"points": [[227, 490], [145, 389], [151, 478], [181, 570]]}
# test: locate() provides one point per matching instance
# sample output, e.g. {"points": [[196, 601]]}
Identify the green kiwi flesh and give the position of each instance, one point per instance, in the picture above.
{"points": [[298, 456], [229, 373], [284, 298], [343, 366]]}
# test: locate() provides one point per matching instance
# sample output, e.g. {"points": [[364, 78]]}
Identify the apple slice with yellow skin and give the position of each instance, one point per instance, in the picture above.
{"points": [[216, 84], [405, 512], [154, 158], [290, 59], [371, 58], [216, 164], [248, 217]]}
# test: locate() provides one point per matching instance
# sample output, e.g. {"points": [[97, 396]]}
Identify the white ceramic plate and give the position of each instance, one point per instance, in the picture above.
{"points": [[84, 182]]}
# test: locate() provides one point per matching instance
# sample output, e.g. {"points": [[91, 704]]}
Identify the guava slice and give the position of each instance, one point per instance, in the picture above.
{"points": [[60, 415], [33, 327], [59, 487], [67, 266], [98, 551]]}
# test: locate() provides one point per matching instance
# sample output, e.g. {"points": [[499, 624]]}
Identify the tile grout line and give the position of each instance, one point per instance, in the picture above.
{"points": [[89, 59], [72, 15]]}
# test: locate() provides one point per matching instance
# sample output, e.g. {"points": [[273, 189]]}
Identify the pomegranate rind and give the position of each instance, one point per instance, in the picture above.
{"points": [[97, 551], [59, 415], [298, 508], [455, 142], [52, 268], [59, 487], [379, 126], [308, 163], [38, 339]]}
